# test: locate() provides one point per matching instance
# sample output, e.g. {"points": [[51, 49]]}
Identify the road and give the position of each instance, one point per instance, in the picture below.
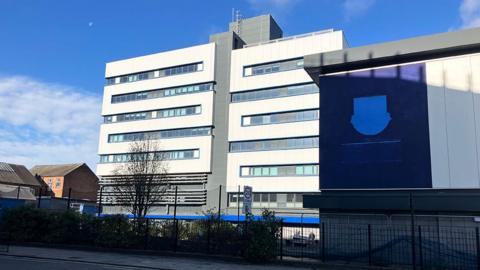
{"points": [[26, 258], [16, 263]]}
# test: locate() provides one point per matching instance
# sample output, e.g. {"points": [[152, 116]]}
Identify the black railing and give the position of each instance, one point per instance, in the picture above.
{"points": [[436, 247]]}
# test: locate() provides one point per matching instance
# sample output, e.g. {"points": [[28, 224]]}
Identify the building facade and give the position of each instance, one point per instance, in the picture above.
{"points": [[76, 181], [238, 111], [244, 110], [400, 126]]}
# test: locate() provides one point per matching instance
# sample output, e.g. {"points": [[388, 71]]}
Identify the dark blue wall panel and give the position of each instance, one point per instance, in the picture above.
{"points": [[374, 129]]}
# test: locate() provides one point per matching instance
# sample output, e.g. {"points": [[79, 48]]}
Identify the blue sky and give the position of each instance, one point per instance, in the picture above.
{"points": [[53, 53]]}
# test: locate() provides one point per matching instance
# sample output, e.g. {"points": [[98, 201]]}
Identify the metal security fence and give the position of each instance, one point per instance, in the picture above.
{"points": [[211, 236], [426, 247], [395, 242], [4, 244]]}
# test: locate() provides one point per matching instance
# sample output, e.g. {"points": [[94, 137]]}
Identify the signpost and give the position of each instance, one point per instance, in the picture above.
{"points": [[247, 200]]}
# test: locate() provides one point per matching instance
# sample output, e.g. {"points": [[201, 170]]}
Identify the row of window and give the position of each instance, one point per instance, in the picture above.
{"points": [[274, 144], [278, 66], [163, 155], [164, 72], [282, 117], [164, 113], [162, 93], [159, 134], [284, 91], [279, 170], [268, 200]]}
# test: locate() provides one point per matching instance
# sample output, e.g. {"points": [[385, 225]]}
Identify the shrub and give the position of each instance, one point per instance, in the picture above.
{"points": [[62, 228], [25, 224], [262, 235], [117, 231]]}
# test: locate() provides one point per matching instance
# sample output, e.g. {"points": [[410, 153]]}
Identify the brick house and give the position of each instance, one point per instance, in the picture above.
{"points": [[60, 178]]}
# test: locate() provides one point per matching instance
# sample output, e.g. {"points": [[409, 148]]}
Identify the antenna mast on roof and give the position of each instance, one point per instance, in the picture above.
{"points": [[236, 19]]}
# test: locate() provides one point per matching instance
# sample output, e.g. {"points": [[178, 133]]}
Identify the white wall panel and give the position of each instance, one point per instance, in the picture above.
{"points": [[205, 53], [475, 88], [202, 164], [272, 184], [460, 108], [275, 51], [294, 129], [279, 51], [203, 98], [437, 125]]}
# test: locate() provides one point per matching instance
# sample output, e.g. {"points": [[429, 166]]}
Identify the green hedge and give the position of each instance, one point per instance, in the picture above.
{"points": [[256, 240], [29, 224]]}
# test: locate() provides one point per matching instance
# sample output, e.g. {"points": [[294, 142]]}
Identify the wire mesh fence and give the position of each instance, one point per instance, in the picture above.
{"points": [[203, 236], [426, 247], [396, 243]]}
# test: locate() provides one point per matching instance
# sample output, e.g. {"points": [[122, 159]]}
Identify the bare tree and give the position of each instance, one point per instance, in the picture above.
{"points": [[141, 180]]}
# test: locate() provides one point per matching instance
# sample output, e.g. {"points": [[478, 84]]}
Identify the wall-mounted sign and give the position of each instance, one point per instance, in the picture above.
{"points": [[247, 200]]}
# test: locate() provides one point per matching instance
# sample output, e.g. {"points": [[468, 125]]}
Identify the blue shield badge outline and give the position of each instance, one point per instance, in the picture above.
{"points": [[370, 115]]}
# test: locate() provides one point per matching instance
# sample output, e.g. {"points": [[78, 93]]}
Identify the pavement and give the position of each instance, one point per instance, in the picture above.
{"points": [[22, 257]]}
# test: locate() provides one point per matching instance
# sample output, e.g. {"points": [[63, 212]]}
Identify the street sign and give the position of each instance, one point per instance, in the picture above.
{"points": [[247, 200]]}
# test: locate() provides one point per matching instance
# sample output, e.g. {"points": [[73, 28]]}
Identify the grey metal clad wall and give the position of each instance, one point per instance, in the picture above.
{"points": [[223, 49], [275, 30], [412, 49], [252, 30], [257, 29]]}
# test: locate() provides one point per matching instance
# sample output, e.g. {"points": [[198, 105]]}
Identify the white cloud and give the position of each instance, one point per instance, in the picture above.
{"points": [[354, 8], [277, 4], [278, 8], [47, 123], [470, 13]]}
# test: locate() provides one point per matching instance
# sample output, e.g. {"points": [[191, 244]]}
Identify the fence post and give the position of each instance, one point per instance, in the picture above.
{"points": [[323, 242], [420, 246], [281, 240], [303, 238], [208, 234], [69, 198], [145, 241], [219, 200], [175, 221], [238, 207], [39, 197], [412, 221], [477, 238], [99, 210], [369, 244]]}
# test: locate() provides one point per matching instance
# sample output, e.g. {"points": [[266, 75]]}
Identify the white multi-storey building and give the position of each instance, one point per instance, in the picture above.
{"points": [[240, 110], [273, 120]]}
